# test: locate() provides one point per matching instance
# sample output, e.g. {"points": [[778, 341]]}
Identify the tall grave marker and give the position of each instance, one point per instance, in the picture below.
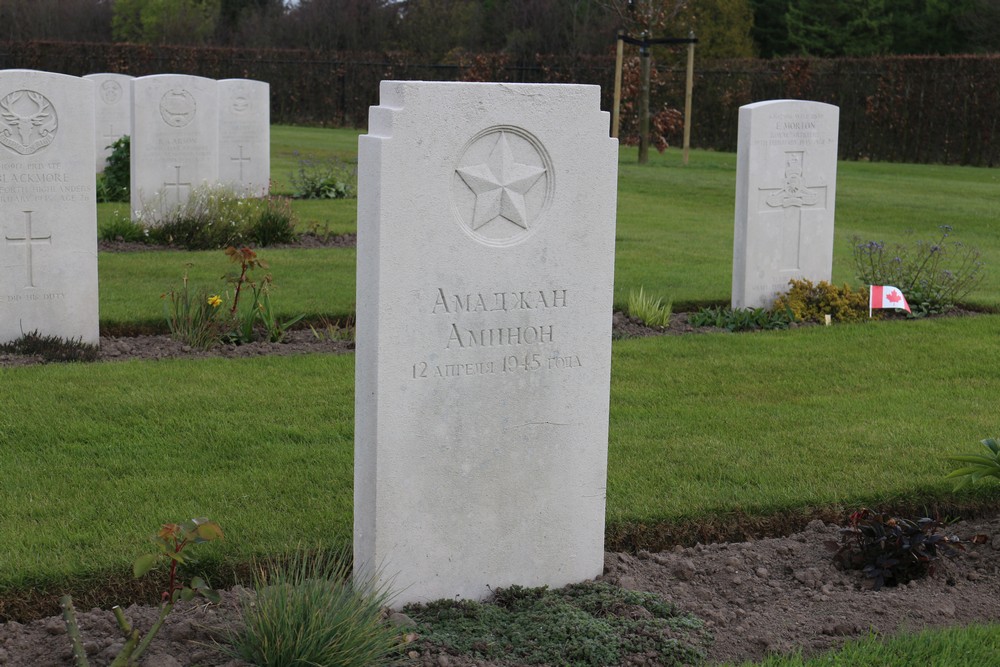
{"points": [[245, 135], [486, 224], [48, 213], [786, 183], [113, 112], [174, 144]]}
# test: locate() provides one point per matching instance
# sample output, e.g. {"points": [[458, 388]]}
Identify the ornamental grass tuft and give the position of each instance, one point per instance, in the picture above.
{"points": [[649, 309], [308, 611]]}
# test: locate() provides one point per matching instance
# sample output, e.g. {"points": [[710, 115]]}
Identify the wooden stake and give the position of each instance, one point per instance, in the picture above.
{"points": [[618, 84], [688, 93]]}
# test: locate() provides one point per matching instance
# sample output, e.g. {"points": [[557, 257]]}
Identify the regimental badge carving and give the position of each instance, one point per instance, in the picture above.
{"points": [[177, 107], [110, 91], [240, 104], [794, 192], [28, 122], [502, 185]]}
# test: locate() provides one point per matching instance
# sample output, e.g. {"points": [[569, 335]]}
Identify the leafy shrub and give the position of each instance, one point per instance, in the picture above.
{"points": [[934, 275], [309, 612], [741, 319], [121, 228], [51, 348], [113, 183], [978, 465], [892, 550], [324, 179], [217, 216], [648, 309], [810, 303], [581, 624]]}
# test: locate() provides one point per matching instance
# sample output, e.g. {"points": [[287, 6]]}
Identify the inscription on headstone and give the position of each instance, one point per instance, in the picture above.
{"points": [[485, 273], [245, 135], [175, 144], [785, 191], [113, 111], [48, 216]]}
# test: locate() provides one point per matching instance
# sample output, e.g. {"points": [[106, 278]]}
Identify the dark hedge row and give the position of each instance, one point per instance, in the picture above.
{"points": [[900, 108]]}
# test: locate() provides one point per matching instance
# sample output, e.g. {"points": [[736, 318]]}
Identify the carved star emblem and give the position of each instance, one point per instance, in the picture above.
{"points": [[500, 184]]}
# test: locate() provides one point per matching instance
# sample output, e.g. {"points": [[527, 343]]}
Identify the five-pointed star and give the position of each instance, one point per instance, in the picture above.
{"points": [[500, 184]]}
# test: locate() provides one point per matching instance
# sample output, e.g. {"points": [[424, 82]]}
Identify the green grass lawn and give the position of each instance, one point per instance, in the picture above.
{"points": [[97, 456]]}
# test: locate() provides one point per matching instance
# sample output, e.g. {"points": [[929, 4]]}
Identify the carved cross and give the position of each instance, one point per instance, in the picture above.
{"points": [[177, 185], [241, 159], [785, 205], [28, 240]]}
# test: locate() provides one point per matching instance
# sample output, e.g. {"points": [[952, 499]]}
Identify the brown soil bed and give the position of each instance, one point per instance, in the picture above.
{"points": [[756, 597]]}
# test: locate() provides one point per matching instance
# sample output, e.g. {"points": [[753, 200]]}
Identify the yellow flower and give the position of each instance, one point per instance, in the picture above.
{"points": [[214, 301]]}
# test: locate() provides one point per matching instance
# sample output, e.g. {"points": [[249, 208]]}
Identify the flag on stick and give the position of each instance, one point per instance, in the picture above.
{"points": [[886, 296]]}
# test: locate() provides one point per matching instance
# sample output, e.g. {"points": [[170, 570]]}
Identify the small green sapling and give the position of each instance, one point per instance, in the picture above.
{"points": [[170, 542]]}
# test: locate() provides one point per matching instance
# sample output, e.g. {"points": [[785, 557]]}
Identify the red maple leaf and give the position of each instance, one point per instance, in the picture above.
{"points": [[893, 297]]}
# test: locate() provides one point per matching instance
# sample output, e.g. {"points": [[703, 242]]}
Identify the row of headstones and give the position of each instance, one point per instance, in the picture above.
{"points": [[185, 131], [486, 238]]}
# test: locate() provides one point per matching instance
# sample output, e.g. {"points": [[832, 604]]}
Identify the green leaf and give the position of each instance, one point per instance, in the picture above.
{"points": [[188, 594], [212, 595], [143, 565], [199, 583]]}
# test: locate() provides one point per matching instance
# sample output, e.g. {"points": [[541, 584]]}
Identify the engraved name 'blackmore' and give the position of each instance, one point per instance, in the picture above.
{"points": [[481, 302], [530, 335]]}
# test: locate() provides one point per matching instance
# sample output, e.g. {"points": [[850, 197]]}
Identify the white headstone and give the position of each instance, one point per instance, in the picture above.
{"points": [[486, 225], [245, 135], [48, 214], [786, 186], [175, 145], [113, 109]]}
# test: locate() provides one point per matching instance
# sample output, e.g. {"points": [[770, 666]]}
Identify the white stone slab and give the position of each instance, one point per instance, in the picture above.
{"points": [[245, 135], [113, 112], [175, 147], [486, 224], [786, 187], [48, 214]]}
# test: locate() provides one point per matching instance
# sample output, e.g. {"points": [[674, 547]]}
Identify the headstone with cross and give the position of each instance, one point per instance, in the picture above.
{"points": [[245, 135], [786, 181], [113, 109], [174, 137], [486, 238], [48, 214]]}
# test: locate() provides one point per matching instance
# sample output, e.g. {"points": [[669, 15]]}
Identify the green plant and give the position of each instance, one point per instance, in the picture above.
{"points": [[324, 179], [648, 309], [741, 319], [978, 465], [892, 550], [217, 216], [121, 227], [308, 611], [193, 317], [171, 542], [581, 624], [811, 303], [333, 331], [934, 275], [260, 308], [51, 348], [113, 182]]}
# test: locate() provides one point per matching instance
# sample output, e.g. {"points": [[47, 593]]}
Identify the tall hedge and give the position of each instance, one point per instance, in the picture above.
{"points": [[902, 108]]}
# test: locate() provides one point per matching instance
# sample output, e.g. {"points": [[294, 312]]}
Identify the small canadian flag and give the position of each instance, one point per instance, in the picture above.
{"points": [[886, 296]]}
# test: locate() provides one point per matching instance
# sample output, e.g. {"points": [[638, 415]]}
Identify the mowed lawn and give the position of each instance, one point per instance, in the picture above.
{"points": [[95, 457]]}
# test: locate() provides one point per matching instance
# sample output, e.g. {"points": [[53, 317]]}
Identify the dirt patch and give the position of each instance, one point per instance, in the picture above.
{"points": [[756, 598]]}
